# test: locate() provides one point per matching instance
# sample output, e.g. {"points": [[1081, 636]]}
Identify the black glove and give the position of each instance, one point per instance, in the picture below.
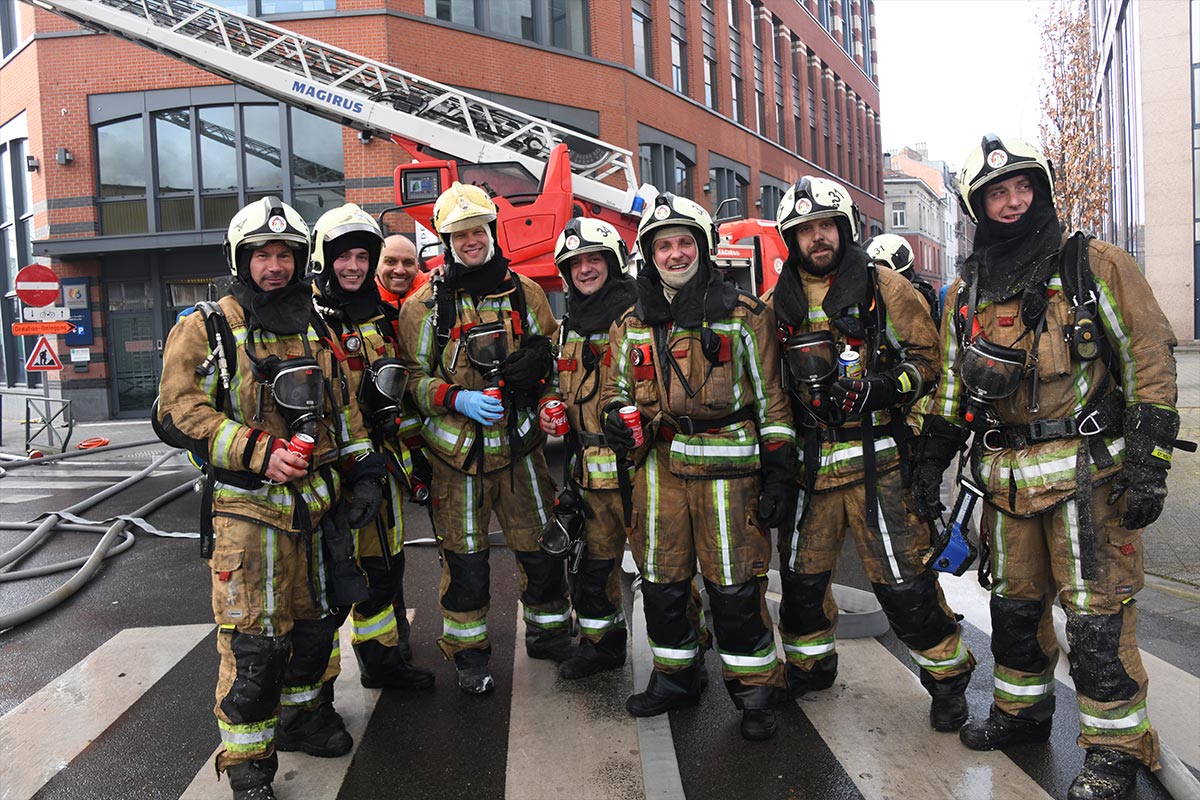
{"points": [[940, 441], [524, 370], [365, 504], [874, 393], [616, 433], [1150, 434], [778, 494]]}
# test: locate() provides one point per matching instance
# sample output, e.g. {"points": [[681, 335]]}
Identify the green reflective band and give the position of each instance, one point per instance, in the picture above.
{"points": [[247, 737], [905, 382], [1163, 453]]}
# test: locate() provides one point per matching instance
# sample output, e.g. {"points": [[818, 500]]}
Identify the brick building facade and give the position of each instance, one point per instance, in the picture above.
{"points": [[120, 168]]}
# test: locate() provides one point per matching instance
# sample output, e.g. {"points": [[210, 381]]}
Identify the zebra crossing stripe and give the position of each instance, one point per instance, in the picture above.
{"points": [[569, 739], [897, 754], [66, 715], [660, 765]]}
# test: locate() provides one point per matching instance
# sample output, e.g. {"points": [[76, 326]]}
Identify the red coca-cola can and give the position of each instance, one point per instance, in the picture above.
{"points": [[302, 445], [557, 413], [494, 391], [633, 419]]}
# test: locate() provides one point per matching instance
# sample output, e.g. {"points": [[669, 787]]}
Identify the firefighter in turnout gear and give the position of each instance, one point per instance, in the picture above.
{"points": [[234, 395], [831, 300], [698, 360], [478, 348], [1063, 368], [346, 247], [594, 264], [892, 250]]}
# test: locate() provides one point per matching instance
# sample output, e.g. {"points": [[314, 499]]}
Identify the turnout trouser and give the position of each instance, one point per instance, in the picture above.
{"points": [[1031, 560], [890, 553], [273, 641], [596, 587], [679, 520], [462, 508]]}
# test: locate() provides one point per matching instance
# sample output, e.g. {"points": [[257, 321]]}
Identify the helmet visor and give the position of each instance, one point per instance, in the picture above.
{"points": [[990, 371], [299, 386], [487, 345]]}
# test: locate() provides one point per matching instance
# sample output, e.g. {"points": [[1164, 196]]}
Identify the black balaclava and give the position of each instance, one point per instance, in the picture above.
{"points": [[707, 297], [335, 301], [1011, 257], [487, 278], [594, 313], [849, 287], [284, 311]]}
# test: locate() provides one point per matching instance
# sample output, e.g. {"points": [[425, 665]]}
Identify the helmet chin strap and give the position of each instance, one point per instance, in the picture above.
{"points": [[491, 251]]}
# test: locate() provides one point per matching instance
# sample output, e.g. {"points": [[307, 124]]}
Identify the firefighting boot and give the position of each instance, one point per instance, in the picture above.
{"points": [[802, 681], [667, 690], [556, 646], [251, 780], [1001, 730], [758, 708], [593, 657], [317, 731], [473, 674], [1107, 775], [948, 708], [383, 667]]}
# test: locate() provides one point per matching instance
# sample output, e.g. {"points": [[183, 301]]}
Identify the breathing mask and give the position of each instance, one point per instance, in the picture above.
{"points": [[298, 387], [990, 372], [562, 536], [382, 387], [487, 347], [809, 368]]}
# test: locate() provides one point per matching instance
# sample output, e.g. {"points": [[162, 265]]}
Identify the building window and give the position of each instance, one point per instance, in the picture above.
{"points": [[16, 228], [728, 184], [642, 56], [735, 98], [825, 14], [732, 7], [557, 23], [679, 65], [10, 29], [710, 83], [899, 216], [207, 162], [866, 37], [665, 167], [295, 6], [847, 29], [780, 125], [772, 196], [760, 113]]}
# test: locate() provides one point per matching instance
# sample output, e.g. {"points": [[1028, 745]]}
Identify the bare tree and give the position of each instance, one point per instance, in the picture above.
{"points": [[1070, 135]]}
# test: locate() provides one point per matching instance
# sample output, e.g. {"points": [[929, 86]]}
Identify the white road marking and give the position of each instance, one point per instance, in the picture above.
{"points": [[660, 766], [43, 734]]}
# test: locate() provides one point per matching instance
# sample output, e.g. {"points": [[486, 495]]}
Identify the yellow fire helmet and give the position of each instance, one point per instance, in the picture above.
{"points": [[995, 158], [265, 220], [341, 229], [586, 235], [460, 208], [891, 249], [668, 210], [812, 198]]}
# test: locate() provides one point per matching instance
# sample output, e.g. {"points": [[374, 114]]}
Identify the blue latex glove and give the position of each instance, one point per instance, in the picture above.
{"points": [[479, 407]]}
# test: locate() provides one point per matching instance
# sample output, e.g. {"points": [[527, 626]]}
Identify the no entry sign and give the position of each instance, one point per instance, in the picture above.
{"points": [[37, 285]]}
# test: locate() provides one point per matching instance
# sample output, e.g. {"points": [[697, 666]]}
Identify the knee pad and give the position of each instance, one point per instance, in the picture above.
{"points": [[666, 612], [259, 663], [1095, 659], [381, 586], [803, 608], [1015, 634], [470, 581], [312, 644], [914, 613], [545, 578], [590, 592], [737, 616]]}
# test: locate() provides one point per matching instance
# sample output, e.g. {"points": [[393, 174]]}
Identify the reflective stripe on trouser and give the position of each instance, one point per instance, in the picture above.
{"points": [[259, 591], [596, 587], [462, 510], [678, 521], [890, 554], [1031, 555]]}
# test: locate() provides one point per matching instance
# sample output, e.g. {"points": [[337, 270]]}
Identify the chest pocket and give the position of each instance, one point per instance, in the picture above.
{"points": [[710, 382], [1054, 354]]}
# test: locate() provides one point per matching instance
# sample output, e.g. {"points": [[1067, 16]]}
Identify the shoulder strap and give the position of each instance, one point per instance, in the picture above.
{"points": [[519, 305]]}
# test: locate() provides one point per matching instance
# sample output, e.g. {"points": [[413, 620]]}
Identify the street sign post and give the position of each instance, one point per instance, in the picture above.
{"points": [[43, 328], [43, 358], [37, 285]]}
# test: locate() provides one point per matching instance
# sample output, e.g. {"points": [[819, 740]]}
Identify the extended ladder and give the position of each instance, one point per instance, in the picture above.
{"points": [[353, 90]]}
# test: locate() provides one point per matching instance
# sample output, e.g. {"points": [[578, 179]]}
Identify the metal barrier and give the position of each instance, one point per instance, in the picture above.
{"points": [[46, 415]]}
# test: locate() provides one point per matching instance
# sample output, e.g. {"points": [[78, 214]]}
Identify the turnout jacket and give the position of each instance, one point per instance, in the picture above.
{"points": [[238, 442], [581, 391], [434, 370], [910, 335], [743, 381], [1032, 479]]}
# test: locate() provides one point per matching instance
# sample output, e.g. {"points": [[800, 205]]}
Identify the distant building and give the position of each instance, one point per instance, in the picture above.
{"points": [[1150, 120], [915, 199]]}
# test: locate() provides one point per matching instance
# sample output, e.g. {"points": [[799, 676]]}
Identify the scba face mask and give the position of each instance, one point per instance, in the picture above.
{"points": [[487, 346], [383, 386], [990, 372], [298, 388]]}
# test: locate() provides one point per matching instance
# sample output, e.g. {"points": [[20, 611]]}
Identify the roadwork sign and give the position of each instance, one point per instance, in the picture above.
{"points": [[42, 328], [43, 358]]}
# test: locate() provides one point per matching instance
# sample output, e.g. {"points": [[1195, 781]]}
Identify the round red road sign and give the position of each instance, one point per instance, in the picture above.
{"points": [[37, 285]]}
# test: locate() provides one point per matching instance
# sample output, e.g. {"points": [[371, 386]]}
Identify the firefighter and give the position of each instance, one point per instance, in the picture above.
{"points": [[477, 345], [833, 305], [399, 274], [1073, 436], [892, 250], [239, 381], [346, 247], [590, 511], [698, 360]]}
